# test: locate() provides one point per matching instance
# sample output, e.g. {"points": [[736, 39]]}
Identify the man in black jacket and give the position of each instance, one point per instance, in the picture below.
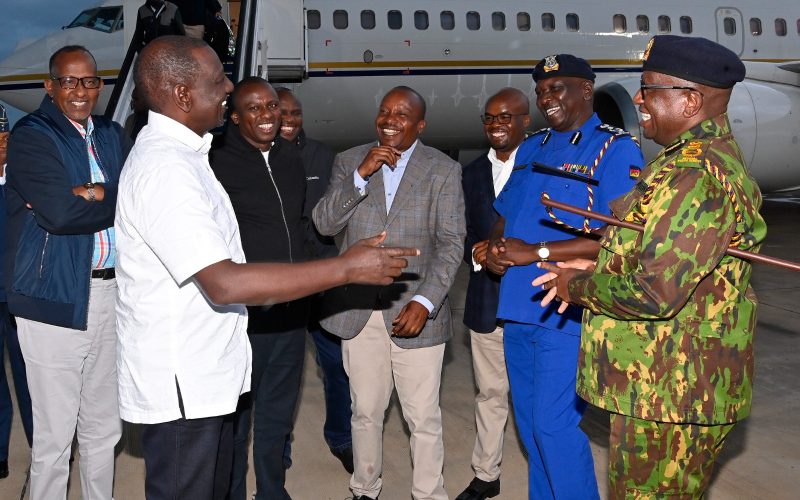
{"points": [[264, 178], [318, 161]]}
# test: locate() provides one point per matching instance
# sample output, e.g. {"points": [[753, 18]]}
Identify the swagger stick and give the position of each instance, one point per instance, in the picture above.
{"points": [[742, 254]]}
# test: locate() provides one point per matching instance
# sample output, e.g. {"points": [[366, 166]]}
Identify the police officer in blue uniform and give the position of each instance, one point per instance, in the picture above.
{"points": [[580, 161]]}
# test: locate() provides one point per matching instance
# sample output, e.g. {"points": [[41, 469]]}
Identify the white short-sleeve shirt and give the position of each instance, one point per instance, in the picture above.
{"points": [[174, 219]]}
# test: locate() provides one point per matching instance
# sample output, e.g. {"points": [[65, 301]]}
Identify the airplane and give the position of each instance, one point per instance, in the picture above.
{"points": [[341, 56]]}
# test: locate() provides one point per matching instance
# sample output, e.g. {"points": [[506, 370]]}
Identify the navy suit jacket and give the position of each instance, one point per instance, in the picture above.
{"points": [[483, 291]]}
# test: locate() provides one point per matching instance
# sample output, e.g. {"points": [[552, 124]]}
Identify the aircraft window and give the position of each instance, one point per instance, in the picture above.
{"points": [[548, 22], [368, 19], [498, 21], [421, 20], [100, 19], [780, 26], [729, 25], [447, 19], [473, 20], [798, 26], [755, 26], [620, 24], [313, 19], [664, 24], [395, 19], [340, 19], [643, 24], [573, 24], [524, 21], [686, 25]]}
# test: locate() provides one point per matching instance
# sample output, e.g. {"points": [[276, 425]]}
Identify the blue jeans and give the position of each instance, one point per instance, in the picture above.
{"points": [[337, 388], [8, 337], [541, 367]]}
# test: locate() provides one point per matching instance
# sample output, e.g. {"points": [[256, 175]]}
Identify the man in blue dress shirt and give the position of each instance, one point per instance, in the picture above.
{"points": [[580, 161]]}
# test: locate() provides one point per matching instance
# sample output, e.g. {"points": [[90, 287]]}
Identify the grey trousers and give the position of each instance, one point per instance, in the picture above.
{"points": [[72, 377]]}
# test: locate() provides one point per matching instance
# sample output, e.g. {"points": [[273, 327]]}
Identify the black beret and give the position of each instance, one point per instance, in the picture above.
{"points": [[695, 59], [562, 65]]}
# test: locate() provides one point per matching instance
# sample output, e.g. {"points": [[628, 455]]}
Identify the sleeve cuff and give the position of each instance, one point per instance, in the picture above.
{"points": [[475, 266], [359, 183], [425, 302]]}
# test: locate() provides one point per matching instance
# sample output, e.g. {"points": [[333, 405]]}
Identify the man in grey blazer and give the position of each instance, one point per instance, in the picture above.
{"points": [[395, 335]]}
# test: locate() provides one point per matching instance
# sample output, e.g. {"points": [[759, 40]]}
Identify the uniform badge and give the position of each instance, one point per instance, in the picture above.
{"points": [[634, 172], [550, 64], [647, 49]]}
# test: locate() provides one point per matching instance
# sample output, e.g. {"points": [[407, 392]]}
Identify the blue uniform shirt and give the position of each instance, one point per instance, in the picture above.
{"points": [[527, 219]]}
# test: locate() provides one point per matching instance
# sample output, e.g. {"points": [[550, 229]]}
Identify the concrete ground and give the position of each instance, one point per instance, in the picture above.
{"points": [[761, 459]]}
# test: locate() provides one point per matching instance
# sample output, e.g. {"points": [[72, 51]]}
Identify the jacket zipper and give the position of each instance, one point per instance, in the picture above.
{"points": [[283, 215], [44, 249]]}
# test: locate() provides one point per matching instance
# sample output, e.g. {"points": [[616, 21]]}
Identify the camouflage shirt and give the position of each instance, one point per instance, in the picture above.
{"points": [[668, 330]]}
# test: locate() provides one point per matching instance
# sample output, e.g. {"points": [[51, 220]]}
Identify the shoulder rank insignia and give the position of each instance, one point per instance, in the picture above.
{"points": [[691, 152], [545, 131], [612, 129]]}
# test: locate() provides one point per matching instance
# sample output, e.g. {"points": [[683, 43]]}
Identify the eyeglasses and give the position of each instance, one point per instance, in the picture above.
{"points": [[502, 118], [645, 87], [71, 82]]}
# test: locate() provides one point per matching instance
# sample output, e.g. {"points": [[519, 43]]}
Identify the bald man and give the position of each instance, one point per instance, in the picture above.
{"points": [[506, 117], [183, 355]]}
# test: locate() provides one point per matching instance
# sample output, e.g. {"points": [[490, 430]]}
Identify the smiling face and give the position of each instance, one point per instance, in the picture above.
{"points": [[75, 103], [565, 102], [663, 110], [505, 137], [257, 114], [209, 93], [291, 116], [400, 119]]}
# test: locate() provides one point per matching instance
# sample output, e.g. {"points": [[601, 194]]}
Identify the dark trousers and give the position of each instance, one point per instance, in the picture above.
{"points": [[277, 372], [337, 388], [182, 459], [8, 338]]}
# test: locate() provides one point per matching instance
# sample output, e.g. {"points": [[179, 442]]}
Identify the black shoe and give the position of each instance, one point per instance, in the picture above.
{"points": [[345, 455], [479, 490], [3, 469]]}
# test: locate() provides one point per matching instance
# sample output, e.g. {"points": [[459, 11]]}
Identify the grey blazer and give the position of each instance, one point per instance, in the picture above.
{"points": [[427, 213]]}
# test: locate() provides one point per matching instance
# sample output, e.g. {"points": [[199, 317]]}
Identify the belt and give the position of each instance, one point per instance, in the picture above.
{"points": [[107, 273]]}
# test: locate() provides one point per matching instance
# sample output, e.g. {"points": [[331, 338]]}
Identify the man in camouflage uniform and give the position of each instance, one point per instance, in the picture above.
{"points": [[667, 340]]}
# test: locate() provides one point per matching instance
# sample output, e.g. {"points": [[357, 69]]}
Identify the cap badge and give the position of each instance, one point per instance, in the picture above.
{"points": [[647, 49], [550, 64]]}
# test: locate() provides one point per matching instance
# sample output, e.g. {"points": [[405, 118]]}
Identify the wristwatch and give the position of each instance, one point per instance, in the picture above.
{"points": [[543, 251], [90, 189]]}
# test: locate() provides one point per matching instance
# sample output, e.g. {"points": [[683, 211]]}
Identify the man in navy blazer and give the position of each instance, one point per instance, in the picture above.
{"points": [[505, 119]]}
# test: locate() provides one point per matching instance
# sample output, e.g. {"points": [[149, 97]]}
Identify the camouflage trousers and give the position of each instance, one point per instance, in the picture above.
{"points": [[658, 460]]}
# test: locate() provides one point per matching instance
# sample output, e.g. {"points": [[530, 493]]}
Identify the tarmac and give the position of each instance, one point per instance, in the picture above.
{"points": [[761, 458]]}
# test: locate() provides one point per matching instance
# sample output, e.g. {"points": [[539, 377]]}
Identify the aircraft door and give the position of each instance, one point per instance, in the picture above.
{"points": [[281, 40], [730, 29]]}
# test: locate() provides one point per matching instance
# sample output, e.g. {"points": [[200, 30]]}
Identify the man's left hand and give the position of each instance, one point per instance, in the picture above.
{"points": [[517, 251], [411, 320]]}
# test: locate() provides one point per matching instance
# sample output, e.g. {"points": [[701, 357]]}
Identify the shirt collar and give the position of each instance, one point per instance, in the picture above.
{"points": [[492, 155], [406, 155], [87, 131], [179, 132]]}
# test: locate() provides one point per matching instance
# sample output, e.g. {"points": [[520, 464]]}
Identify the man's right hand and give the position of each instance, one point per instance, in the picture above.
{"points": [[376, 157], [494, 258], [368, 263]]}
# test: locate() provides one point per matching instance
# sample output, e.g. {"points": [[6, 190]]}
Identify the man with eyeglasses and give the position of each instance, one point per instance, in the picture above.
{"points": [[60, 279], [581, 161], [505, 119], [667, 342]]}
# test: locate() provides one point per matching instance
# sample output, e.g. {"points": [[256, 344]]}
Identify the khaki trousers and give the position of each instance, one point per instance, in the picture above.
{"points": [[375, 366], [72, 377], [491, 402]]}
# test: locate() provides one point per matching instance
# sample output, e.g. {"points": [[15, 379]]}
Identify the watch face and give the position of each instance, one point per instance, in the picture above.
{"points": [[544, 253]]}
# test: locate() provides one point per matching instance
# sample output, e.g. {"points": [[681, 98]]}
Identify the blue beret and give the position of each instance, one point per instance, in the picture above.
{"points": [[562, 65], [695, 59]]}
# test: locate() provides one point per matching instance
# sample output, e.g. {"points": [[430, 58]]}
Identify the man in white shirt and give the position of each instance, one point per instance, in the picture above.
{"points": [[505, 119], [183, 354]]}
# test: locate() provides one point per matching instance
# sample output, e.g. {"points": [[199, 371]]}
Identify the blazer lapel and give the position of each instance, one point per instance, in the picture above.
{"points": [[416, 172]]}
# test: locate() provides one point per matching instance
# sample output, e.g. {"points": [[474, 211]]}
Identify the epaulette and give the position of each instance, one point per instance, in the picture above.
{"points": [[605, 127], [528, 134], [691, 153], [520, 167]]}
